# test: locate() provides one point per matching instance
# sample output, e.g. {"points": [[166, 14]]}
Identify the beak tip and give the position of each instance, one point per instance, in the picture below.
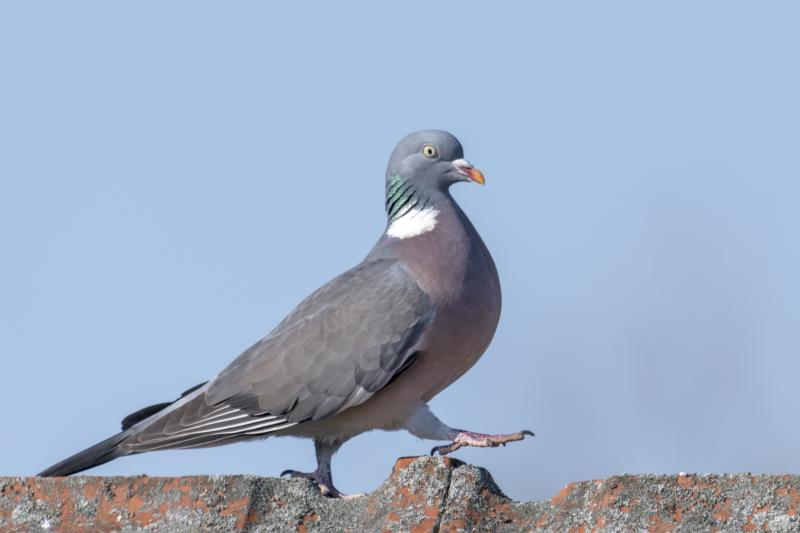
{"points": [[466, 169], [477, 176]]}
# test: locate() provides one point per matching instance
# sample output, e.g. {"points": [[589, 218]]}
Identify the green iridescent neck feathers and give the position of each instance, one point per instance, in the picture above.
{"points": [[402, 197]]}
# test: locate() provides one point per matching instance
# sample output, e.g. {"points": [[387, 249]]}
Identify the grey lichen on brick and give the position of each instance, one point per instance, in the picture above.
{"points": [[421, 494]]}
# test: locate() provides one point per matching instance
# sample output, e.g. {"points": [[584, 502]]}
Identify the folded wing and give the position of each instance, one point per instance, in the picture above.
{"points": [[341, 345]]}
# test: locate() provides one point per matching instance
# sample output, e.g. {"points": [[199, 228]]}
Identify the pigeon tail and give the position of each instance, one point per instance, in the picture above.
{"points": [[100, 453]]}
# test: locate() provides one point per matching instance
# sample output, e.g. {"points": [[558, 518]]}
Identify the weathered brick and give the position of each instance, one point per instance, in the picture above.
{"points": [[421, 494]]}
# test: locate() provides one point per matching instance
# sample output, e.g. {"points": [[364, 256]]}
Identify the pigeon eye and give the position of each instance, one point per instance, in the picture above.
{"points": [[429, 150]]}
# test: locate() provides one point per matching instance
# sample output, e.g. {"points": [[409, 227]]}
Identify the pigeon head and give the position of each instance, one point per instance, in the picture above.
{"points": [[431, 159], [421, 168]]}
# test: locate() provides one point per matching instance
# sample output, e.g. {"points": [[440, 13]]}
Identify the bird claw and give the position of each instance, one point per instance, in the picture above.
{"points": [[445, 449], [323, 483], [335, 494], [294, 474], [480, 440]]}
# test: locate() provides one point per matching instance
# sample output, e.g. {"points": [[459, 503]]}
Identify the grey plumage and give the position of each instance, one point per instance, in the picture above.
{"points": [[338, 347], [366, 350]]}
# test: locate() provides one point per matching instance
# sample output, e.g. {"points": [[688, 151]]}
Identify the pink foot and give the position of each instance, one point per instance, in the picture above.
{"points": [[481, 440]]}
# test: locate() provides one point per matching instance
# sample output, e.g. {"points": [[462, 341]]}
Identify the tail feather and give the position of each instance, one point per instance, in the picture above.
{"points": [[100, 453]]}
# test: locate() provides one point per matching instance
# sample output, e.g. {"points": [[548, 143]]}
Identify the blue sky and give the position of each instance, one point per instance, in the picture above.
{"points": [[175, 177]]}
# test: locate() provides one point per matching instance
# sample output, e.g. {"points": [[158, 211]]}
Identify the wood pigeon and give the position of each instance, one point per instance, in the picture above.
{"points": [[365, 351]]}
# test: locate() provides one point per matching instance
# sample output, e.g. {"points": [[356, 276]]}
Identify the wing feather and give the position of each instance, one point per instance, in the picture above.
{"points": [[342, 344], [335, 350]]}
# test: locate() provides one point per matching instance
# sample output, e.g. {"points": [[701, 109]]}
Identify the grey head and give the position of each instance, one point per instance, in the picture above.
{"points": [[421, 169]]}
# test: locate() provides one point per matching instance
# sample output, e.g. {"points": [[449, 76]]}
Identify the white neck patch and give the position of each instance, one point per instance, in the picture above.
{"points": [[415, 222]]}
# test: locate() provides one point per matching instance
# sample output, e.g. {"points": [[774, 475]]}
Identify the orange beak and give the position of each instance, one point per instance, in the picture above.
{"points": [[473, 174]]}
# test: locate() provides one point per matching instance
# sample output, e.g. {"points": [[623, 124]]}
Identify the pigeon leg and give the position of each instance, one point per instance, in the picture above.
{"points": [[424, 424], [481, 440], [322, 475]]}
